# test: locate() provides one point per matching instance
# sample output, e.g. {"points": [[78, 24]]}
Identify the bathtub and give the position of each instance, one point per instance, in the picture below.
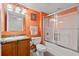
{"points": [[59, 51]]}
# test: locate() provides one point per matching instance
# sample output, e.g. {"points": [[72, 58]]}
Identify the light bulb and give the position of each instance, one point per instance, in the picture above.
{"points": [[9, 7], [54, 20], [60, 21], [17, 9], [24, 11]]}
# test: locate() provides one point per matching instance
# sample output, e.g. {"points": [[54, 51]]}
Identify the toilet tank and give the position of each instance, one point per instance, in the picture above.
{"points": [[36, 40]]}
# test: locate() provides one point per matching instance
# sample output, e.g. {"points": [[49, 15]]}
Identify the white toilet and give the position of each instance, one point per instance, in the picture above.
{"points": [[40, 47]]}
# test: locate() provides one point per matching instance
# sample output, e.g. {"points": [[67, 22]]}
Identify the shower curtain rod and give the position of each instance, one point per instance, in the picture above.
{"points": [[60, 11]]}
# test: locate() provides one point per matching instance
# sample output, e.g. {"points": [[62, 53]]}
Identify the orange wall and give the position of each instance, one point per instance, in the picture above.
{"points": [[41, 25], [67, 11], [30, 22], [38, 22]]}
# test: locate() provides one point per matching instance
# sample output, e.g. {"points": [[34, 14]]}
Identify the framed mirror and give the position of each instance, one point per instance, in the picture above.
{"points": [[14, 21]]}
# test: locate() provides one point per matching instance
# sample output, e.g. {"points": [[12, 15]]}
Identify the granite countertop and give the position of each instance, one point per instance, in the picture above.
{"points": [[12, 38]]}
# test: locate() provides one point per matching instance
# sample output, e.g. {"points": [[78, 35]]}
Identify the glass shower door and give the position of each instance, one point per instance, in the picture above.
{"points": [[68, 31]]}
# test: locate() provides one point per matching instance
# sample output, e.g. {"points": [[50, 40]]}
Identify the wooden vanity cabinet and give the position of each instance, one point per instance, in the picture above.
{"points": [[16, 48]]}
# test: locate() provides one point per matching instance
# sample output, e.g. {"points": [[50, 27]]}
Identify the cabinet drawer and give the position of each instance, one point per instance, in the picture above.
{"points": [[24, 48]]}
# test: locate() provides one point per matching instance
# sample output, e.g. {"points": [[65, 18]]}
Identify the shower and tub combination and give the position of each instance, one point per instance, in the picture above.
{"points": [[63, 32]]}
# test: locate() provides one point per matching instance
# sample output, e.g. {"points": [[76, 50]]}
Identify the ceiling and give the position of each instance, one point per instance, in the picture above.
{"points": [[49, 7]]}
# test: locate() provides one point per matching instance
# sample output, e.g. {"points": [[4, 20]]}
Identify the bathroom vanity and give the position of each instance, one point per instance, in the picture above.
{"points": [[14, 42], [15, 46]]}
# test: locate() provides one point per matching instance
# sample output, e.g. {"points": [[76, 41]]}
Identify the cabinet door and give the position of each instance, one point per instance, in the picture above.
{"points": [[9, 49], [24, 47]]}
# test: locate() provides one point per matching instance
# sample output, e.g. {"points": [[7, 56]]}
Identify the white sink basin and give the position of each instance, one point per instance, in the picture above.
{"points": [[14, 38]]}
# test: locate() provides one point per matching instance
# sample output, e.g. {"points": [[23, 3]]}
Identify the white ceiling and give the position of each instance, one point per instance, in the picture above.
{"points": [[49, 7]]}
